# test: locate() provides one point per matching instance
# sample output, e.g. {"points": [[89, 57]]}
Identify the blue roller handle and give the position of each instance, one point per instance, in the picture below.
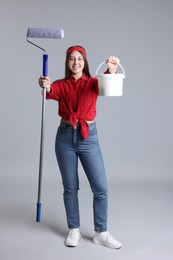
{"points": [[38, 217], [45, 65]]}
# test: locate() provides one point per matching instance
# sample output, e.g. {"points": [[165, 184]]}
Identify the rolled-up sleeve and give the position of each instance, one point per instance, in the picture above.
{"points": [[55, 91]]}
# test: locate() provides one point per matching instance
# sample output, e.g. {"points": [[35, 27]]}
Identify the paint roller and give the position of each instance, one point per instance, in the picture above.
{"points": [[46, 34]]}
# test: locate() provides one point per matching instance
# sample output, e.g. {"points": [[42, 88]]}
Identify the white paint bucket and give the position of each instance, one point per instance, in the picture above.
{"points": [[110, 84]]}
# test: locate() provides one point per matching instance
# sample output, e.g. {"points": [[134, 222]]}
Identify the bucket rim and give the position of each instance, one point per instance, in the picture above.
{"points": [[117, 75]]}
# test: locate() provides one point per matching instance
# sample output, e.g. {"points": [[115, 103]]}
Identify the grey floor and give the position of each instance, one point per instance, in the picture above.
{"points": [[140, 216]]}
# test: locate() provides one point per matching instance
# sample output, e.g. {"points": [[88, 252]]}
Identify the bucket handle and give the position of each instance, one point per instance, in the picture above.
{"points": [[105, 62]]}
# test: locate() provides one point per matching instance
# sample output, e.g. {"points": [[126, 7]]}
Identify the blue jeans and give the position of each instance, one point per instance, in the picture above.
{"points": [[71, 146]]}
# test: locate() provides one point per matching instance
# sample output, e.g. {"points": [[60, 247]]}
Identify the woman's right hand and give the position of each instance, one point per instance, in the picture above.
{"points": [[44, 82]]}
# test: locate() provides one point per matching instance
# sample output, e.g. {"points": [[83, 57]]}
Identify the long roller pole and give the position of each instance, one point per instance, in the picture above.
{"points": [[39, 204]]}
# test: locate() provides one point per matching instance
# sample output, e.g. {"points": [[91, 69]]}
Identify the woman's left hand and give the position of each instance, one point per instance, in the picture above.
{"points": [[112, 63]]}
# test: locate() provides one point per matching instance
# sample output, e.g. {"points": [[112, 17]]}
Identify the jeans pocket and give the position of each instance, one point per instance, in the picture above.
{"points": [[92, 134], [64, 133], [92, 129]]}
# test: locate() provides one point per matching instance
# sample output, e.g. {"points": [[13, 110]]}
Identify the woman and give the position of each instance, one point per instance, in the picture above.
{"points": [[77, 139]]}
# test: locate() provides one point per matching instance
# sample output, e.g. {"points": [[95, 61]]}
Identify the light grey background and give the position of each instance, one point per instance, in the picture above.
{"points": [[136, 130]]}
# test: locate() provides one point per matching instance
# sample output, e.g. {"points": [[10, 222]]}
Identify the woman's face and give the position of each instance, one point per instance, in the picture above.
{"points": [[76, 63]]}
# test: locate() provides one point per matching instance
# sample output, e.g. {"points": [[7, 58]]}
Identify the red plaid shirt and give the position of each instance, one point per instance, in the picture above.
{"points": [[77, 100]]}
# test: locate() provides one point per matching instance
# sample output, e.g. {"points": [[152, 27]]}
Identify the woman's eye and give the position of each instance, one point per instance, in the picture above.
{"points": [[73, 59]]}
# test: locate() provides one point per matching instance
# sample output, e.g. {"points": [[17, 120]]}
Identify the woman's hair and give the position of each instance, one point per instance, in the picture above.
{"points": [[68, 72]]}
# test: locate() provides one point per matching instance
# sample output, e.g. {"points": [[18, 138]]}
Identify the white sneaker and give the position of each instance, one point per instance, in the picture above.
{"points": [[73, 238], [106, 239]]}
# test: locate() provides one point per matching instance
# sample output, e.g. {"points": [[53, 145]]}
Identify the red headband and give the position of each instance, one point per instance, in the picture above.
{"points": [[76, 48]]}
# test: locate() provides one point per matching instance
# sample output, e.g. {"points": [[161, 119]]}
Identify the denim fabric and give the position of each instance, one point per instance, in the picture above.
{"points": [[71, 146]]}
